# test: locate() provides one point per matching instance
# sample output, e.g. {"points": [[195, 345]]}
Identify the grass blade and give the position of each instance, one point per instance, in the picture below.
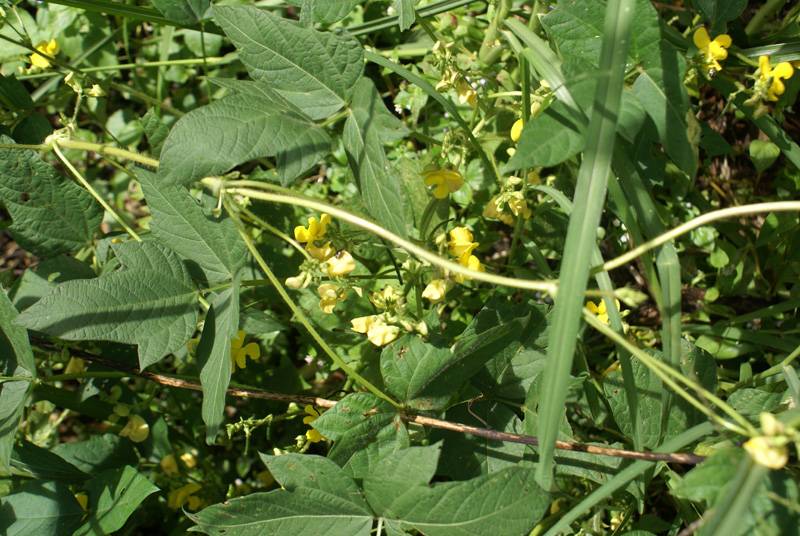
{"points": [[589, 200]]}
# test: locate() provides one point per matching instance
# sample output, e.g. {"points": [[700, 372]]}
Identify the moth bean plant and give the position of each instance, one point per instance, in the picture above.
{"points": [[402, 267]]}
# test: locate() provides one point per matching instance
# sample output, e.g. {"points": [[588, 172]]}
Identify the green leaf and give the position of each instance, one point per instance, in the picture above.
{"points": [[718, 12], [156, 130], [44, 464], [367, 128], [405, 13], [184, 12], [465, 456], [547, 140], [47, 508], [37, 282], [16, 359], [319, 498], [214, 356], [179, 222], [13, 94], [363, 429], [50, 214], [314, 70], [251, 123], [113, 496], [149, 301], [704, 482], [328, 11], [669, 116], [763, 154], [576, 25], [98, 453], [409, 366], [505, 503], [296, 471]]}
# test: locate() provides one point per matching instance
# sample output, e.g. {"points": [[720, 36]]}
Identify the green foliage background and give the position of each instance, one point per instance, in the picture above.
{"points": [[156, 158]]}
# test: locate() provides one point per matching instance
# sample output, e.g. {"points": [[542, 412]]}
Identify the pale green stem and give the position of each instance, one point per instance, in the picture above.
{"points": [[277, 232], [669, 377], [300, 315], [422, 253], [143, 65], [94, 193], [704, 219], [98, 148]]}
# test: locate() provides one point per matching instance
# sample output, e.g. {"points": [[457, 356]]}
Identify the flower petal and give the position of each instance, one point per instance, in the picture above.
{"points": [[701, 38]]}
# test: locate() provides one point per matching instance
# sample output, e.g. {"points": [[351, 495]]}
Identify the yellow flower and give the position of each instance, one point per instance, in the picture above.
{"points": [[136, 429], [312, 435], [516, 130], [49, 48], [435, 290], [492, 211], [378, 331], [444, 181], [600, 310], [712, 51], [178, 497], [386, 298], [314, 231], [341, 264], [301, 280], [466, 93], [330, 295], [469, 261], [75, 365], [169, 465], [519, 206], [321, 253], [774, 76], [767, 451], [83, 500], [240, 352], [461, 242]]}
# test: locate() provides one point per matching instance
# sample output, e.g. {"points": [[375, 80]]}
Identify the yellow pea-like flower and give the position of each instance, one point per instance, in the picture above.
{"points": [[178, 497], [443, 181], [312, 434], [240, 352], [461, 241], [516, 130], [766, 452], [774, 76], [435, 291], [316, 229], [136, 429], [340, 264], [49, 48], [713, 51], [329, 296]]}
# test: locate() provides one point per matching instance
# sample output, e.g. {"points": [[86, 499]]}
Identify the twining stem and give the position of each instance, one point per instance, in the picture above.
{"points": [[94, 192], [743, 210], [232, 187], [242, 391], [142, 65], [108, 150], [669, 377], [298, 312]]}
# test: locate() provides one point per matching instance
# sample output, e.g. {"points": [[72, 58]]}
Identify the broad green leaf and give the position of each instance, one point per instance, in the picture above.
{"points": [[184, 12], [13, 94], [16, 359], [113, 496], [314, 70], [251, 123], [45, 464], [704, 482], [505, 503], [368, 126], [214, 356], [408, 468], [576, 27], [405, 13], [327, 11], [149, 301], [319, 498], [718, 12], [179, 222], [465, 456], [36, 282], [98, 453], [50, 214], [46, 508], [364, 429], [296, 471], [156, 130], [409, 366], [669, 117], [547, 140]]}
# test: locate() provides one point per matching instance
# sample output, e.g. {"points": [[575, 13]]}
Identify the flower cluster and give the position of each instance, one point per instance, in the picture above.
{"points": [[328, 262], [383, 328], [510, 203]]}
